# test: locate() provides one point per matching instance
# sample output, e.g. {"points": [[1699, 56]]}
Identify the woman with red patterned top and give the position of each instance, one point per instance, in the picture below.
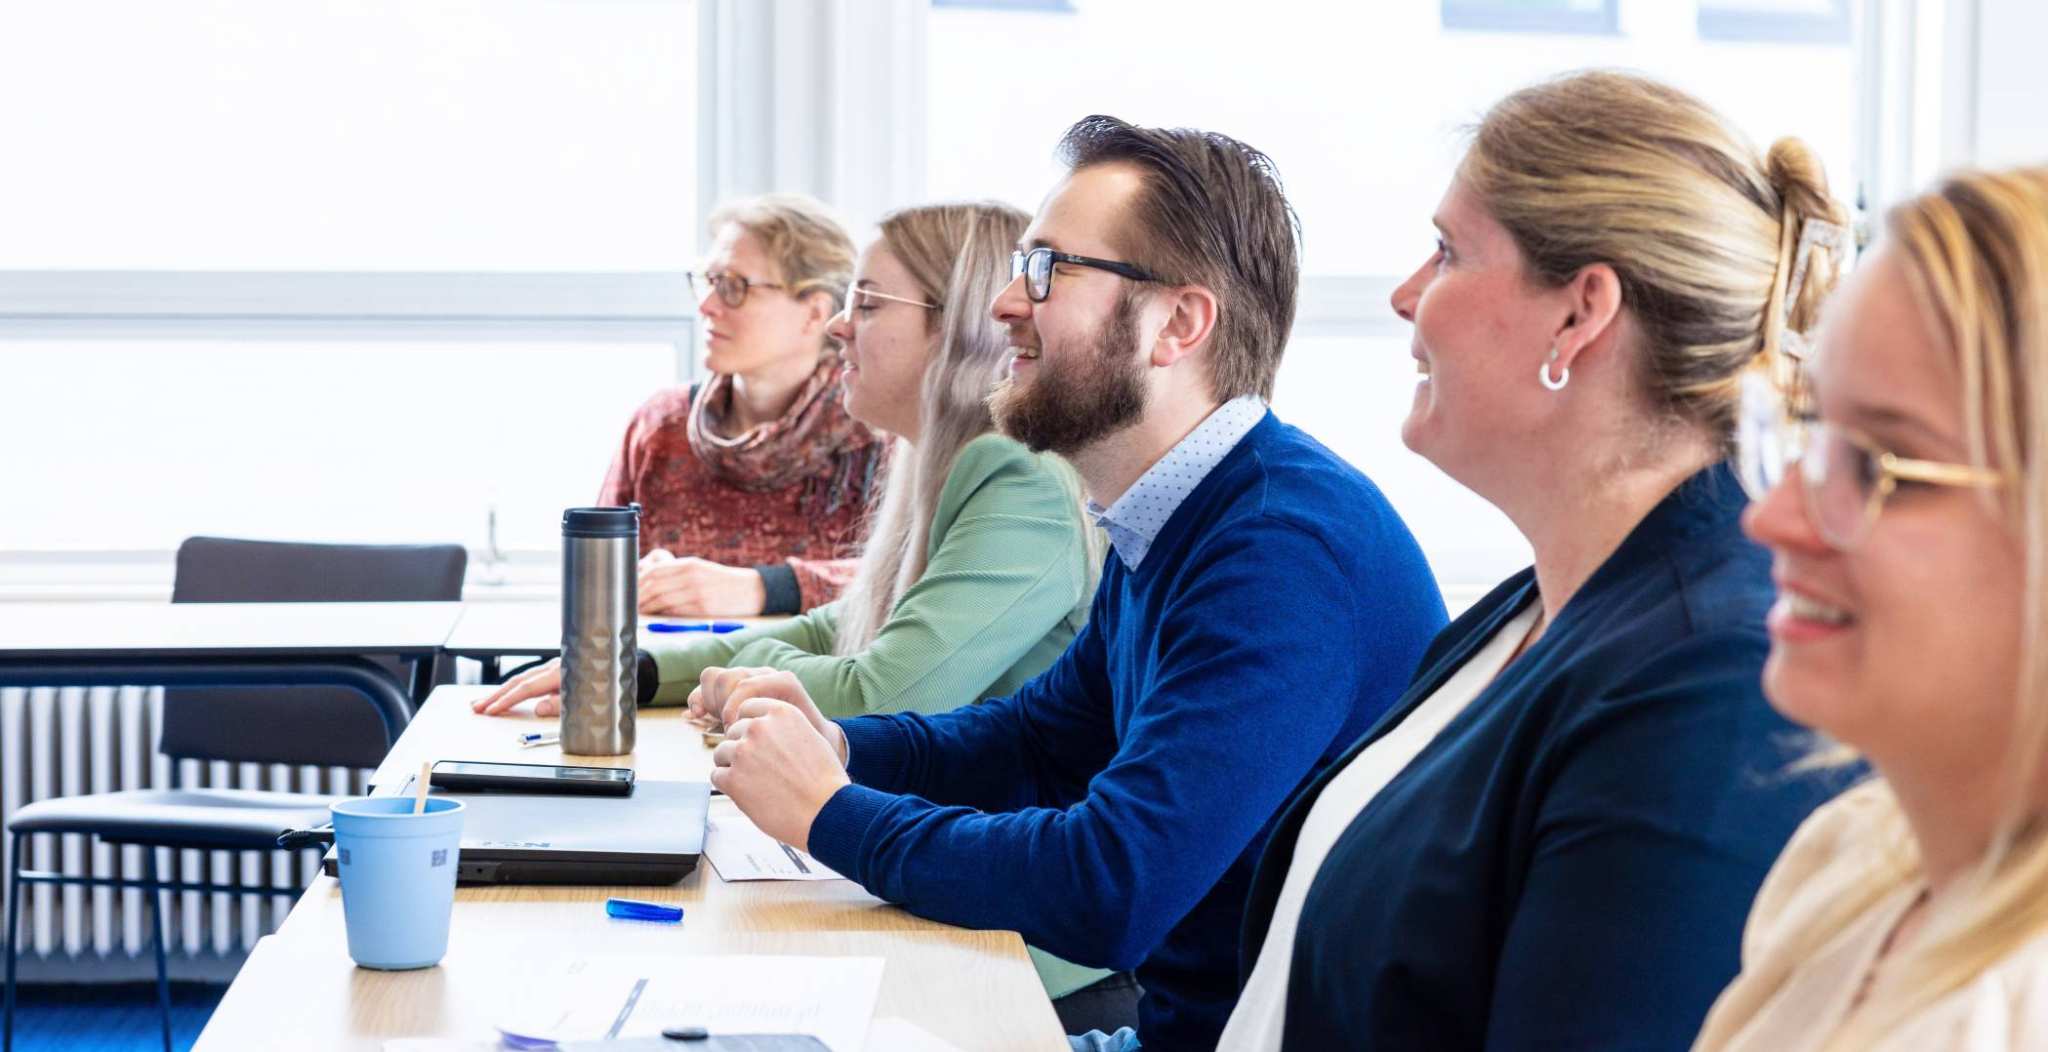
{"points": [[753, 484]]}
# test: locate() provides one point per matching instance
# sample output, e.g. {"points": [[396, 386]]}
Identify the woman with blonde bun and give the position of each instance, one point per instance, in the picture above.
{"points": [[1906, 505], [1551, 841]]}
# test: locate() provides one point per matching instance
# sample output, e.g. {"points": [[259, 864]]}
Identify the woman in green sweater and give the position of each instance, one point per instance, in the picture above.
{"points": [[978, 565]]}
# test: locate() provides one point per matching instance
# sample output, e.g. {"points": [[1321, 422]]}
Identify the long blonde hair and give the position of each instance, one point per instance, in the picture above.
{"points": [[959, 256], [1976, 256], [1614, 168]]}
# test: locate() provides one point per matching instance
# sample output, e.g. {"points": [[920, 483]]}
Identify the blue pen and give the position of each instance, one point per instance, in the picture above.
{"points": [[528, 741], [635, 909], [694, 626]]}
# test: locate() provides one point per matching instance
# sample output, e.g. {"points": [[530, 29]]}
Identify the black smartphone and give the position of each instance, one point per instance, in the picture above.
{"points": [[471, 776]]}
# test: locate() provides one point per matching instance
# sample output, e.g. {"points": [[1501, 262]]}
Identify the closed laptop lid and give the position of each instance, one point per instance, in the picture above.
{"points": [[658, 822], [655, 835]]}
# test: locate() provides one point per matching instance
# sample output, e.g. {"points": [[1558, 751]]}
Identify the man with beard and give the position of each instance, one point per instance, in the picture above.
{"points": [[1261, 608]]}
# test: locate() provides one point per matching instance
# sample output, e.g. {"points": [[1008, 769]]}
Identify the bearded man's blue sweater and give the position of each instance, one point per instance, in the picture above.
{"points": [[1112, 809]]}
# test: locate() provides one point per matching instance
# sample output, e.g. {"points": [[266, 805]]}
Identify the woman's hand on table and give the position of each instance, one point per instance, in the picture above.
{"points": [[693, 587], [542, 681]]}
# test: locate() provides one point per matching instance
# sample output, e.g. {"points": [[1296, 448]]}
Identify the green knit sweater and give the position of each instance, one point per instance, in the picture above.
{"points": [[1006, 586]]}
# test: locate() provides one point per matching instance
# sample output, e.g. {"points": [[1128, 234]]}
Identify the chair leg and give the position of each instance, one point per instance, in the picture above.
{"points": [[156, 939], [13, 939]]}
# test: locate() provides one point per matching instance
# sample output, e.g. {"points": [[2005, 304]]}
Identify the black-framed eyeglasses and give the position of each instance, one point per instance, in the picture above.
{"points": [[731, 288], [1035, 266]]}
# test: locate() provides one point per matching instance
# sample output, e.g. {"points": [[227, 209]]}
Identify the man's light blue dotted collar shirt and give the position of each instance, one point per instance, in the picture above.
{"points": [[1137, 517]]}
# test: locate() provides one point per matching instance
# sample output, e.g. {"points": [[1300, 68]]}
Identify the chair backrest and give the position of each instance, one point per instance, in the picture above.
{"points": [[327, 726]]}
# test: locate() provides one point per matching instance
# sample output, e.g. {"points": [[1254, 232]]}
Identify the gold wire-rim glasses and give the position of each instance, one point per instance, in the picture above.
{"points": [[1796, 434], [855, 292]]}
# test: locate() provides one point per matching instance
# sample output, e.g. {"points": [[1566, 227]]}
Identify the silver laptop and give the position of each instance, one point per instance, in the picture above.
{"points": [[653, 836]]}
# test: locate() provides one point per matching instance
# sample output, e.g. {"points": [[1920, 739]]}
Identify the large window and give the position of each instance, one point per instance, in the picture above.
{"points": [[352, 135], [135, 444], [454, 230], [1362, 107], [335, 269]]}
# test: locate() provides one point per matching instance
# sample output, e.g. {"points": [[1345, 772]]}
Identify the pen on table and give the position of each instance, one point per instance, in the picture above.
{"points": [[528, 741], [636, 909], [695, 626]]}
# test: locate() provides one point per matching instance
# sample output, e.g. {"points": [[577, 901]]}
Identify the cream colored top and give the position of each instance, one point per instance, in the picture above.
{"points": [[1258, 1021], [1781, 1006]]}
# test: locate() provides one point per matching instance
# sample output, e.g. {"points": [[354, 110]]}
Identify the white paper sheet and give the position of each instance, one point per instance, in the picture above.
{"points": [[635, 995], [902, 1035], [740, 851]]}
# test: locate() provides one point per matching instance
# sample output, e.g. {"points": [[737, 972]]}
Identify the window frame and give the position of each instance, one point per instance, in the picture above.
{"points": [[1050, 7], [1506, 16], [263, 305], [1745, 25]]}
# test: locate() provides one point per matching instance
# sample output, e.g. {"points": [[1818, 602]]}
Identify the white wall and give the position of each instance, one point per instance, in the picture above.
{"points": [[2012, 88], [1361, 107]]}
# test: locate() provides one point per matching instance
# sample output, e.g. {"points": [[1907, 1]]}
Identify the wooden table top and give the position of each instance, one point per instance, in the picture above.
{"points": [[975, 989]]}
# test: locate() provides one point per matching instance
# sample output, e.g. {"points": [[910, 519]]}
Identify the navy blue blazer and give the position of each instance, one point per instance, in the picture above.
{"points": [[1568, 865]]}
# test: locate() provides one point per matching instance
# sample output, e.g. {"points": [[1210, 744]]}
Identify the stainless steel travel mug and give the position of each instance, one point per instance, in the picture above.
{"points": [[600, 629]]}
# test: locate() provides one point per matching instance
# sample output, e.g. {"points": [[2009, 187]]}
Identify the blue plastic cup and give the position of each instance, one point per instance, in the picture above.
{"points": [[397, 878]]}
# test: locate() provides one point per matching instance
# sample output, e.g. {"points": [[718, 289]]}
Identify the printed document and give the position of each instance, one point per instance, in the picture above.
{"points": [[636, 995], [740, 851]]}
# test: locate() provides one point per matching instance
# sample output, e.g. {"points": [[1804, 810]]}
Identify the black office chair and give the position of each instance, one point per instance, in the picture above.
{"points": [[324, 726]]}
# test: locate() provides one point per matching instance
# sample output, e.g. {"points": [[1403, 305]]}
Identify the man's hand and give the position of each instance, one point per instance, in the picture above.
{"points": [[777, 768], [714, 685], [722, 694], [692, 587], [542, 681]]}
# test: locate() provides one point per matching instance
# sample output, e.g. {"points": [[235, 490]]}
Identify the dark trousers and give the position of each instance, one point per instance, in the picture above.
{"points": [[1105, 1005]]}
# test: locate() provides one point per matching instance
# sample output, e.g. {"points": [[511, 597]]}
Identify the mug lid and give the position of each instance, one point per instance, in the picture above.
{"points": [[602, 522]]}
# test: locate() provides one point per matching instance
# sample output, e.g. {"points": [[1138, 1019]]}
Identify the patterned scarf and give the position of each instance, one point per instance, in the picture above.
{"points": [[815, 443]]}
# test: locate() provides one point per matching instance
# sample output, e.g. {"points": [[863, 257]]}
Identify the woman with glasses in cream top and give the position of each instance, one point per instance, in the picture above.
{"points": [[1904, 496]]}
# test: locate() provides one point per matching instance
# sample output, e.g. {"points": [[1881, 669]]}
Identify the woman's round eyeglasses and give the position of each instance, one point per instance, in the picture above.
{"points": [[732, 289]]}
